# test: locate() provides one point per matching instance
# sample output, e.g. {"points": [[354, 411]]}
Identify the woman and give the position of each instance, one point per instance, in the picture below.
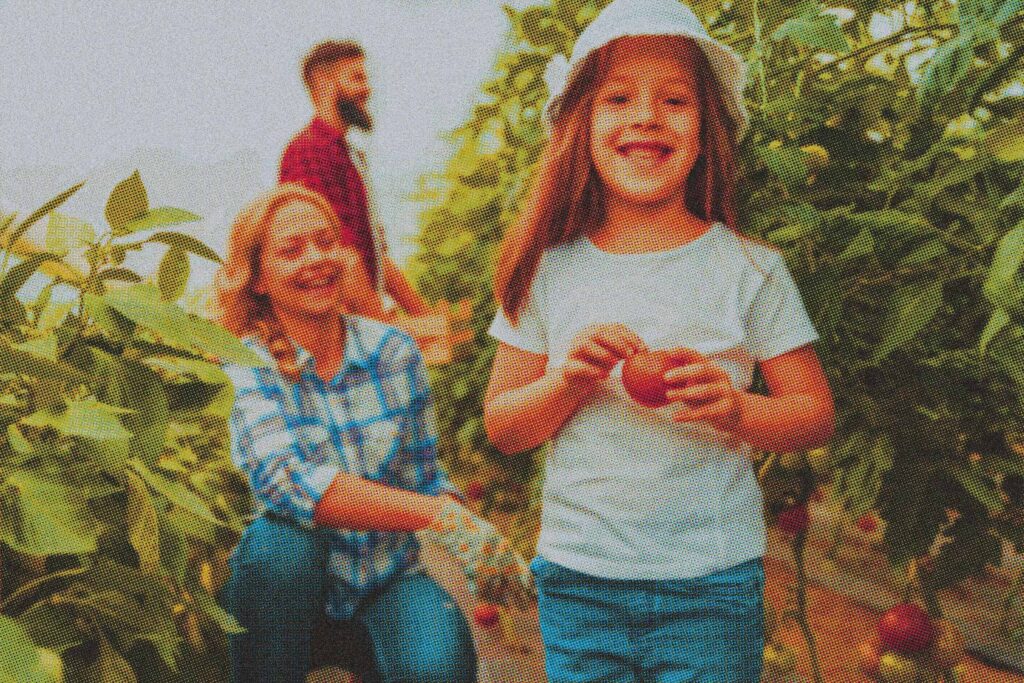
{"points": [[337, 435]]}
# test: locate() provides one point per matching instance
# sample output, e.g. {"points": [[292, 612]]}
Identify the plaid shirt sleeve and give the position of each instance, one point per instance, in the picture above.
{"points": [[429, 476], [265, 447]]}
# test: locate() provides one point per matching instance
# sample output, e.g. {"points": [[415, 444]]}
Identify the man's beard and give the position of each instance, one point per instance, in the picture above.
{"points": [[353, 114]]}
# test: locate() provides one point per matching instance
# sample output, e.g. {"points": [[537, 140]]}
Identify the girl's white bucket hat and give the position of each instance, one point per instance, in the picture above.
{"points": [[624, 18]]}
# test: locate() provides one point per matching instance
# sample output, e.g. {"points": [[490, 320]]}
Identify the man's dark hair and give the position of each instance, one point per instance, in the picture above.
{"points": [[327, 52]]}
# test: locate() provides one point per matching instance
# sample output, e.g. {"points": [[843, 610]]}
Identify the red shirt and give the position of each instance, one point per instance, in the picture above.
{"points": [[318, 158]]}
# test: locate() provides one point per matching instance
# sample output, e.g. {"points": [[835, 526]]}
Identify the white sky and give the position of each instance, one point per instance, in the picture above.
{"points": [[202, 96]]}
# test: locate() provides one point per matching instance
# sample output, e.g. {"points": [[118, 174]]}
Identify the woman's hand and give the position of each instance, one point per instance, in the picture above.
{"points": [[495, 572], [596, 349], [706, 390]]}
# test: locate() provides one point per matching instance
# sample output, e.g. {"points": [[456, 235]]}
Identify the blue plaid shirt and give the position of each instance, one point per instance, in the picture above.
{"points": [[374, 418]]}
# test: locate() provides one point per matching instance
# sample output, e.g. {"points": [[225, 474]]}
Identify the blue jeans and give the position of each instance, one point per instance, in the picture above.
{"points": [[704, 630], [410, 631]]}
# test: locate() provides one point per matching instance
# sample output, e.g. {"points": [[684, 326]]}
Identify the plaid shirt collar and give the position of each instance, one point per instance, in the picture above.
{"points": [[355, 356]]}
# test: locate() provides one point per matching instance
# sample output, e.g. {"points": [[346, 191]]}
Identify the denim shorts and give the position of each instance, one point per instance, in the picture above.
{"points": [[708, 629]]}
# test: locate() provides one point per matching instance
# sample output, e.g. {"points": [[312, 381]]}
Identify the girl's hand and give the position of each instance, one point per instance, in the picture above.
{"points": [[596, 349], [707, 391]]}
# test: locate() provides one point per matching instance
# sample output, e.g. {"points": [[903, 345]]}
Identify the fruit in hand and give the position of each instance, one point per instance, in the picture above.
{"points": [[643, 376], [949, 648], [485, 614], [895, 668], [906, 628], [793, 520]]}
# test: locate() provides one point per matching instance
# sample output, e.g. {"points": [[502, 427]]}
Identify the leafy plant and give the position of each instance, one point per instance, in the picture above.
{"points": [[888, 170], [118, 502]]}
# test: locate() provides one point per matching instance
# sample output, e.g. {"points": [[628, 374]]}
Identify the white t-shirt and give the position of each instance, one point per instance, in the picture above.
{"points": [[629, 493]]}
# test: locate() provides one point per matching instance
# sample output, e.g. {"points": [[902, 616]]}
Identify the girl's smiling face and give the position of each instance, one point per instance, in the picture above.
{"points": [[645, 122], [301, 269]]}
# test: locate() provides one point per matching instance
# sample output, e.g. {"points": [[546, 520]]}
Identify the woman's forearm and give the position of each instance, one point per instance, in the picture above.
{"points": [[524, 418], [784, 423], [351, 502]]}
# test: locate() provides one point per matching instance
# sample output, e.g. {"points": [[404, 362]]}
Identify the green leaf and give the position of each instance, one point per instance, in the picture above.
{"points": [[120, 274], [1006, 141], [861, 245], [910, 309], [999, 320], [158, 218], [213, 339], [15, 361], [175, 492], [142, 304], [1003, 285], [65, 234], [814, 30], [128, 202], [45, 346], [172, 276], [208, 373], [1015, 198], [86, 418], [186, 242], [981, 489], [787, 163], [227, 623], [928, 251], [20, 658], [536, 26], [174, 544], [948, 66], [43, 518], [40, 212], [143, 525], [19, 274]]}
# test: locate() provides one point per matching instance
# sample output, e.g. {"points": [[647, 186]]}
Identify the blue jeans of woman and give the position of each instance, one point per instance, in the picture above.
{"points": [[708, 629], [410, 631]]}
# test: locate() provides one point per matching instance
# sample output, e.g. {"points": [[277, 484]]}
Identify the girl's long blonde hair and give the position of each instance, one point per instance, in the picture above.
{"points": [[566, 198], [239, 308]]}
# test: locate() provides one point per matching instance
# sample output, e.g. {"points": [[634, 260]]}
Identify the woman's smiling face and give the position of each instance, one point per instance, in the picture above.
{"points": [[301, 268], [645, 122]]}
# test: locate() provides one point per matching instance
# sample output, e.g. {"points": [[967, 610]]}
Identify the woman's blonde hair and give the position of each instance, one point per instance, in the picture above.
{"points": [[239, 308], [566, 198]]}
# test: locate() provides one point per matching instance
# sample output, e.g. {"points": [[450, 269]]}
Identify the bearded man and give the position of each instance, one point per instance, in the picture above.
{"points": [[321, 157]]}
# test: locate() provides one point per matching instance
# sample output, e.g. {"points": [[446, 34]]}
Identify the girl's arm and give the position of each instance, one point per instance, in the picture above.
{"points": [[798, 414], [526, 404]]}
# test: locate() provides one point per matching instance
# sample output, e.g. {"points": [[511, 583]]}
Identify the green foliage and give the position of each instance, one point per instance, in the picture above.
{"points": [[893, 187], [118, 501]]}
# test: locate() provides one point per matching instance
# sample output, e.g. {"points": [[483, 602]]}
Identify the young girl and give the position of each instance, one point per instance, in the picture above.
{"points": [[338, 437], [649, 557]]}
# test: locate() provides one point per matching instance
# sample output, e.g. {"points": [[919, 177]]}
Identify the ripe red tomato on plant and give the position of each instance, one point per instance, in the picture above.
{"points": [[906, 629], [475, 490], [793, 520], [867, 523], [643, 376], [485, 614]]}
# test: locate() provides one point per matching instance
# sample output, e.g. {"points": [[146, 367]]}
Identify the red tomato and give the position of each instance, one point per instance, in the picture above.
{"points": [[485, 614], [906, 629], [643, 377], [793, 520]]}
